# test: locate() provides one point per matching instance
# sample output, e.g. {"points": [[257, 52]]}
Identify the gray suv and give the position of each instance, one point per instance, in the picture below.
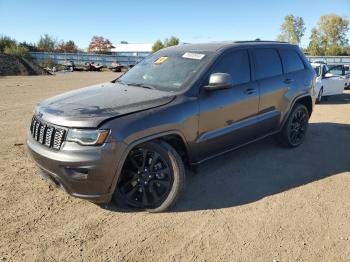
{"points": [[128, 140]]}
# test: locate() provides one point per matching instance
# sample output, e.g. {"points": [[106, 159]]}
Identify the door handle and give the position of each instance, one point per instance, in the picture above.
{"points": [[250, 91], [288, 80]]}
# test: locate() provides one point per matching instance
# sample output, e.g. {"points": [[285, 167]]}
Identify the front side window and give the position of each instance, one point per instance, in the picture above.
{"points": [[267, 63], [166, 70], [237, 65], [291, 60]]}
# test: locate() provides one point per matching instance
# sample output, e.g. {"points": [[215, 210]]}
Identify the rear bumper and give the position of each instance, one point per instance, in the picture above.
{"points": [[86, 172]]}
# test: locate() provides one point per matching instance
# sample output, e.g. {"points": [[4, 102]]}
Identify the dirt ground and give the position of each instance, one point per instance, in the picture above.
{"points": [[259, 203]]}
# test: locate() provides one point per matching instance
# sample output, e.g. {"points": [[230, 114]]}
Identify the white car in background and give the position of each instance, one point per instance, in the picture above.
{"points": [[327, 83], [347, 76], [343, 71]]}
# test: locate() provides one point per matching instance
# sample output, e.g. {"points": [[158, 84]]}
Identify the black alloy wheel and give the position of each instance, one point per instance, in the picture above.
{"points": [[298, 126], [152, 177], [294, 129]]}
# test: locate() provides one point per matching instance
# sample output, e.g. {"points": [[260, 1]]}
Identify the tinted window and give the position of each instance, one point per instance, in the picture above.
{"points": [[267, 63], [291, 60], [237, 65]]}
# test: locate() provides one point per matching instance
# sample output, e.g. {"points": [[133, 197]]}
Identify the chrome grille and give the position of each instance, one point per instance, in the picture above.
{"points": [[58, 138], [47, 135]]}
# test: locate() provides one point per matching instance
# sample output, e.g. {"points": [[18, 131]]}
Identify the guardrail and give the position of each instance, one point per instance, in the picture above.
{"points": [[126, 59]]}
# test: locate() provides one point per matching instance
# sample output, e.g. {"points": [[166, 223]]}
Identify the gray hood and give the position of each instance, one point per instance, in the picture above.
{"points": [[89, 106]]}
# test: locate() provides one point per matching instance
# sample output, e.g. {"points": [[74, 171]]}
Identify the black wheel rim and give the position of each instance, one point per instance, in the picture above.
{"points": [[298, 126], [146, 179]]}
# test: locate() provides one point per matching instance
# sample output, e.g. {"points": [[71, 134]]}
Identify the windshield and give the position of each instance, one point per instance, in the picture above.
{"points": [[317, 69], [167, 70]]}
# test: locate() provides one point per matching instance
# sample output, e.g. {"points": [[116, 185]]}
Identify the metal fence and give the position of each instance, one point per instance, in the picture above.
{"points": [[125, 58], [132, 58], [331, 59]]}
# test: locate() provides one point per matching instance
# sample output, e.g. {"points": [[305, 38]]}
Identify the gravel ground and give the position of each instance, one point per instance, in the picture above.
{"points": [[259, 203]]}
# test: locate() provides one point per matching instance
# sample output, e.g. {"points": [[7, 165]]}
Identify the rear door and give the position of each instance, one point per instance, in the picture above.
{"points": [[273, 85], [228, 117]]}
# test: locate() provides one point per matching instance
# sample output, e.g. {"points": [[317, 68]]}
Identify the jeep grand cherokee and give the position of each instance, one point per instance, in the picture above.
{"points": [[128, 140]]}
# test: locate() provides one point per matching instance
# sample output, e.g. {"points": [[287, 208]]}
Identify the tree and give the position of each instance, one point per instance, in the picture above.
{"points": [[30, 46], [17, 50], [329, 38], [157, 46], [315, 45], [67, 47], [124, 42], [167, 42], [47, 43], [333, 29], [6, 41], [346, 50], [292, 29], [99, 44], [171, 41]]}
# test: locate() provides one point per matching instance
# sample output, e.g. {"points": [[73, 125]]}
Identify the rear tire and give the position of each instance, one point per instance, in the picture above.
{"points": [[294, 130], [152, 178]]}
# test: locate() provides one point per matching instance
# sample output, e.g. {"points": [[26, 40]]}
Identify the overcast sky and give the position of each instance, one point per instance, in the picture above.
{"points": [[147, 21]]}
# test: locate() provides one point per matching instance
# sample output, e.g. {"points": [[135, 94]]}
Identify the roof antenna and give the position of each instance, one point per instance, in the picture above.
{"points": [[257, 39]]}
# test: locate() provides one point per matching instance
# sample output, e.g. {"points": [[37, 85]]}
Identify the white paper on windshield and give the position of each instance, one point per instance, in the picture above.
{"points": [[193, 56]]}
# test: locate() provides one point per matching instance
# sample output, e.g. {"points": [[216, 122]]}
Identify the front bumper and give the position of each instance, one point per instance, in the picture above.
{"points": [[86, 172]]}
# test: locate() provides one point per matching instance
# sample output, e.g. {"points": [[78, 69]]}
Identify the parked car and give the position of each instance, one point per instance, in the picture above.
{"points": [[327, 84], [343, 71], [347, 76], [129, 140]]}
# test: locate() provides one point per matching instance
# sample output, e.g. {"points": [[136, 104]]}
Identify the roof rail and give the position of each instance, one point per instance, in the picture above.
{"points": [[259, 40]]}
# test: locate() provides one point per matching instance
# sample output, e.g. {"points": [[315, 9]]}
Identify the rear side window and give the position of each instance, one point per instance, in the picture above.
{"points": [[237, 65], [291, 60], [267, 63]]}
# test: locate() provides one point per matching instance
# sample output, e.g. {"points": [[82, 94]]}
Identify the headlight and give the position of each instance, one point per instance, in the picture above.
{"points": [[87, 137]]}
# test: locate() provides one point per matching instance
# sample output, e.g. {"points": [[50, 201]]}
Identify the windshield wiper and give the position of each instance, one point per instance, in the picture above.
{"points": [[140, 85], [119, 81]]}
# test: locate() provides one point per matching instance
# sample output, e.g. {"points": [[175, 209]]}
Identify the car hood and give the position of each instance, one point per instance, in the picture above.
{"points": [[89, 106]]}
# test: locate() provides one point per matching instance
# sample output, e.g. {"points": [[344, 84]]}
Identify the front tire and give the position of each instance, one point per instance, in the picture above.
{"points": [[294, 130], [152, 178]]}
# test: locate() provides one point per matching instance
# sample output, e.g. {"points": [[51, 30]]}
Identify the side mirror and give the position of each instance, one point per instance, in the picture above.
{"points": [[328, 75], [219, 81]]}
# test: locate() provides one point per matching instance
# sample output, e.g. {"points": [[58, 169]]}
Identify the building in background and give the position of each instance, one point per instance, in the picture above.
{"points": [[132, 49]]}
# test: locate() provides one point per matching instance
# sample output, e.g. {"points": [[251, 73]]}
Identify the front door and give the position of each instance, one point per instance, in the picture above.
{"points": [[332, 81], [228, 117]]}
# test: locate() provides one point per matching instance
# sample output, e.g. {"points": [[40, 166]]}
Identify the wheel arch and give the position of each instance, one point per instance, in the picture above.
{"points": [[173, 137], [306, 100]]}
